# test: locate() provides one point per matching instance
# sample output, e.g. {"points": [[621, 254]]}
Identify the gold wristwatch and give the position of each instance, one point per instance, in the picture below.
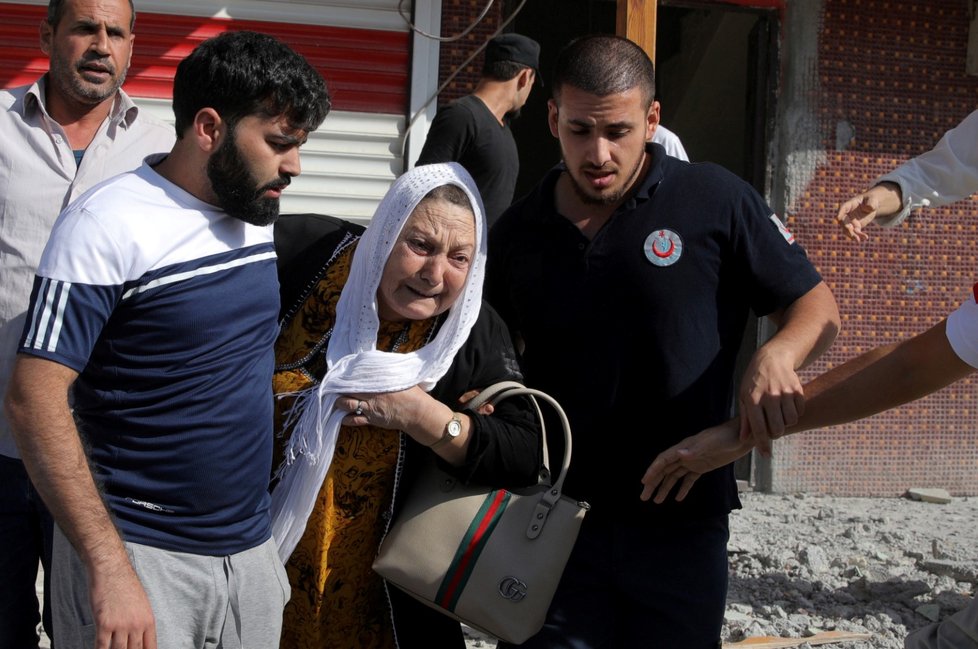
{"points": [[452, 430]]}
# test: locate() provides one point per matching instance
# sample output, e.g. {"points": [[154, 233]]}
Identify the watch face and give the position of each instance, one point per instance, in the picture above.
{"points": [[454, 428]]}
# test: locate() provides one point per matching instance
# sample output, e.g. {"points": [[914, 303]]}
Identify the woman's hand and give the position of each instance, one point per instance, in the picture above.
{"points": [[485, 409], [413, 411], [400, 410]]}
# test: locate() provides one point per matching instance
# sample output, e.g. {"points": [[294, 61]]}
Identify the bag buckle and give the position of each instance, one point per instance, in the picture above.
{"points": [[540, 513]]}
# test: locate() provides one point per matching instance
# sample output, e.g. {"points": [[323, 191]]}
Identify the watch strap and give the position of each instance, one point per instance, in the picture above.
{"points": [[447, 435]]}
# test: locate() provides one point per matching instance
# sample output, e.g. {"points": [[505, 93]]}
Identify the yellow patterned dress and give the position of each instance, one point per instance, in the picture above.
{"points": [[337, 600]]}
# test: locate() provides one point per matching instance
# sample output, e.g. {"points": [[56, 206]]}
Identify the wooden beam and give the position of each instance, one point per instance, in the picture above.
{"points": [[771, 642], [636, 22]]}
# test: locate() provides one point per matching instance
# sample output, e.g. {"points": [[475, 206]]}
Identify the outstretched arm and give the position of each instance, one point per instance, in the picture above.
{"points": [[881, 379], [883, 200], [42, 424], [943, 175], [878, 380], [771, 395]]}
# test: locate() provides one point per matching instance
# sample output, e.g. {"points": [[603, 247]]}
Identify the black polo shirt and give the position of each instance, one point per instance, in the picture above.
{"points": [[636, 332]]}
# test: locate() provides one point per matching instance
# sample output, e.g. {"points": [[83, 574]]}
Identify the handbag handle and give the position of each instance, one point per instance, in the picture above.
{"points": [[491, 393], [505, 389]]}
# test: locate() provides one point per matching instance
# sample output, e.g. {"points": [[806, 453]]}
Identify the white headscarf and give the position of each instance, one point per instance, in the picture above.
{"points": [[354, 365]]}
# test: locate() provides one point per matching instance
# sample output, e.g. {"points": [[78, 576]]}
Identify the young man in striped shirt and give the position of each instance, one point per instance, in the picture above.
{"points": [[155, 305]]}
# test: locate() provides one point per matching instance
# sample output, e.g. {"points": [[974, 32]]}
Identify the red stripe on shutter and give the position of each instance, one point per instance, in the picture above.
{"points": [[366, 70]]}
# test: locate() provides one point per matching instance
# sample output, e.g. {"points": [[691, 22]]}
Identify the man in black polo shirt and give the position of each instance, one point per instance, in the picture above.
{"points": [[628, 276]]}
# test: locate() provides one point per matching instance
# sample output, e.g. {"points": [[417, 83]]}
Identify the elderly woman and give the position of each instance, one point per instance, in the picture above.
{"points": [[383, 332]]}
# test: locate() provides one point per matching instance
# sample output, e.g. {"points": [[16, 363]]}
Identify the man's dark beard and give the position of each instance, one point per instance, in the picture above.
{"points": [[237, 190], [610, 199]]}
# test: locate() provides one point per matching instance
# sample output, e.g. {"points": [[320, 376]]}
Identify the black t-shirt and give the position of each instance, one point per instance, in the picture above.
{"points": [[466, 132], [636, 332]]}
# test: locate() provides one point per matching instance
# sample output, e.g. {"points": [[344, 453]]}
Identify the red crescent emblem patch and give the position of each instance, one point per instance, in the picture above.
{"points": [[663, 248], [656, 249]]}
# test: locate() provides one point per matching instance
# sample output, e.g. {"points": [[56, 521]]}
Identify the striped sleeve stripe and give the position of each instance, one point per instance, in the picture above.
{"points": [[197, 272], [48, 312], [59, 318]]}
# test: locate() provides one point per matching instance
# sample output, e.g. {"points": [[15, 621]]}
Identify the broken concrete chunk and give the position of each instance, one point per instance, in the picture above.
{"points": [[815, 558], [957, 570], [929, 495]]}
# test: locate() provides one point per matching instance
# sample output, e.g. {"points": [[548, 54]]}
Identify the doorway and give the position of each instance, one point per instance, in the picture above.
{"points": [[715, 73]]}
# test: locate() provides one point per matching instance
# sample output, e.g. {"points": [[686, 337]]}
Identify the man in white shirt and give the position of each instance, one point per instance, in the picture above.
{"points": [[69, 130]]}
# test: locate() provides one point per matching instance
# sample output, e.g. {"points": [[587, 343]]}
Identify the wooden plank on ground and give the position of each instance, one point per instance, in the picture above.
{"points": [[771, 642]]}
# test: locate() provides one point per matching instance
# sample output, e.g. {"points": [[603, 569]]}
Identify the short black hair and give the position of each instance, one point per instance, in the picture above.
{"points": [[604, 65], [502, 70], [56, 9], [244, 73]]}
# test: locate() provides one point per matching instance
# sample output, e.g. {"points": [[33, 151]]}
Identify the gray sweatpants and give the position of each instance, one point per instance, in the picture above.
{"points": [[960, 631], [231, 602]]}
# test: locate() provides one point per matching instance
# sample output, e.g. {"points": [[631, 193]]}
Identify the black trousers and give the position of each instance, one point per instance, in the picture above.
{"points": [[26, 530], [634, 584]]}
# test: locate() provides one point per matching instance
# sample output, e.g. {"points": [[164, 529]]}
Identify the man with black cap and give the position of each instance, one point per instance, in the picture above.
{"points": [[474, 130]]}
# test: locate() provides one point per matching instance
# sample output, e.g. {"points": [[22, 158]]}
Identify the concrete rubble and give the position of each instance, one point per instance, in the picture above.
{"points": [[806, 564]]}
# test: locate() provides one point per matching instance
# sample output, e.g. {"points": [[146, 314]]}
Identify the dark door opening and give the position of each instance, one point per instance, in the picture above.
{"points": [[715, 66]]}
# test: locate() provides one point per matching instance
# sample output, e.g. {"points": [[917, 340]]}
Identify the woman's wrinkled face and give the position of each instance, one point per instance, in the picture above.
{"points": [[430, 261]]}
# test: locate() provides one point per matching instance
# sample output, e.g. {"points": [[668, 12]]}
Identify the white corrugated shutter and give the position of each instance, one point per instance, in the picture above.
{"points": [[349, 163]]}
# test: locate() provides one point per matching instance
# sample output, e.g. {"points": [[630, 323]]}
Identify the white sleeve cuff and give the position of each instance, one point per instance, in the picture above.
{"points": [[910, 202], [962, 331]]}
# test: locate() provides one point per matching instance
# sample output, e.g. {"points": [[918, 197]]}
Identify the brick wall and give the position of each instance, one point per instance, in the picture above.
{"points": [[456, 16], [892, 74]]}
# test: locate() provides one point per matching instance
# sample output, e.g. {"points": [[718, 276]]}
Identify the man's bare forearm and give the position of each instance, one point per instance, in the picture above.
{"points": [[881, 379], [44, 429], [809, 326]]}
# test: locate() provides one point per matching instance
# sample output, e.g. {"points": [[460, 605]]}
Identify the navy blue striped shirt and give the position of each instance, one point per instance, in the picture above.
{"points": [[167, 308]]}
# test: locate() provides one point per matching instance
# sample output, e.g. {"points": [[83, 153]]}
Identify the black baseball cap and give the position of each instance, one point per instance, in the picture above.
{"points": [[516, 48]]}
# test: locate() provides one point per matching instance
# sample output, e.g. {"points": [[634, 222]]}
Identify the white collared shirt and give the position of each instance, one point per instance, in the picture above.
{"points": [[38, 179], [945, 174]]}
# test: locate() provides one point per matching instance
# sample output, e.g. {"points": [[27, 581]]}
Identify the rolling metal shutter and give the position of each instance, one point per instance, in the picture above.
{"points": [[362, 48]]}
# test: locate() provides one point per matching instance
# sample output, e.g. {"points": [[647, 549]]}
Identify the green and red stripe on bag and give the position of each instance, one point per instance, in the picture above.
{"points": [[491, 558]]}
